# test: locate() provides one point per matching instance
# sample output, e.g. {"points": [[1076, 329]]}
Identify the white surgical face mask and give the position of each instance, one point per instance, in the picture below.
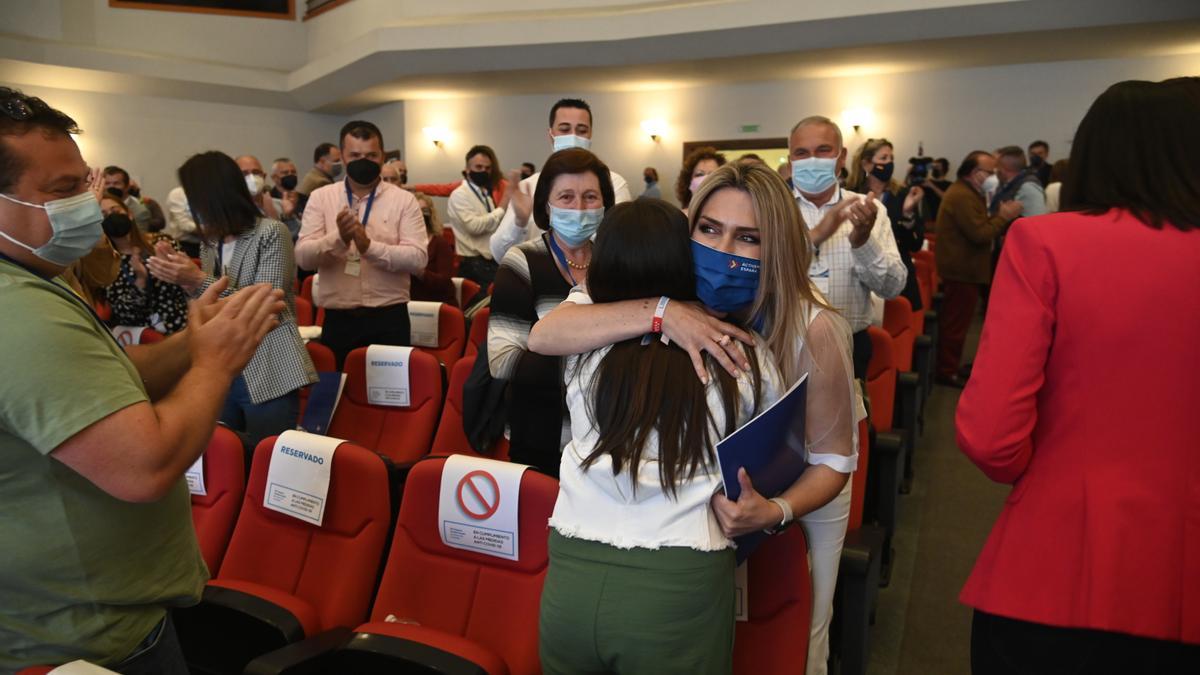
{"points": [[75, 223], [571, 141], [255, 183], [990, 185]]}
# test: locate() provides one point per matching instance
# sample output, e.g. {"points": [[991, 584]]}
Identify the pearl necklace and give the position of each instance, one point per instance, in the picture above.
{"points": [[575, 265]]}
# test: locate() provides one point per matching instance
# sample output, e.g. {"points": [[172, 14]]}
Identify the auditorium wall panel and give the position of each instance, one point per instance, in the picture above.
{"points": [[152, 137], [951, 111]]}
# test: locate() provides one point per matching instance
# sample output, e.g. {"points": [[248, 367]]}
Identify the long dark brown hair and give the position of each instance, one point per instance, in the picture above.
{"points": [[643, 249], [1134, 150]]}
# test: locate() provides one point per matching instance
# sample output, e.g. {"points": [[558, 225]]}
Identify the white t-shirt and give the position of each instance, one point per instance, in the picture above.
{"points": [[596, 505]]}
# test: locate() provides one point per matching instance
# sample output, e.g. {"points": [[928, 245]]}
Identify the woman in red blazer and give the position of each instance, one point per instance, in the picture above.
{"points": [[1084, 396]]}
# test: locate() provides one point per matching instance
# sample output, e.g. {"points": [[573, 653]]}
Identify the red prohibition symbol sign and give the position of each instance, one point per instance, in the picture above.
{"points": [[468, 482]]}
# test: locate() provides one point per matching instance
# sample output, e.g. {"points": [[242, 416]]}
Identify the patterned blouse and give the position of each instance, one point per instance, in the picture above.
{"points": [[160, 305]]}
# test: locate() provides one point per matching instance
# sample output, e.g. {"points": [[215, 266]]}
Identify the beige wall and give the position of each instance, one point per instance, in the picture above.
{"points": [[952, 111], [151, 137]]}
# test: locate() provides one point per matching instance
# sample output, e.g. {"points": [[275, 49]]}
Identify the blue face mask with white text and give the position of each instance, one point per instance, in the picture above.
{"points": [[724, 282]]}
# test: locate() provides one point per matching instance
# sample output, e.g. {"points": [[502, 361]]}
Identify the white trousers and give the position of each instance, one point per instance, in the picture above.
{"points": [[825, 529]]}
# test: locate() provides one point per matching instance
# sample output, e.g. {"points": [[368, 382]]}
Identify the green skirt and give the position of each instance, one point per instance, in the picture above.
{"points": [[634, 611]]}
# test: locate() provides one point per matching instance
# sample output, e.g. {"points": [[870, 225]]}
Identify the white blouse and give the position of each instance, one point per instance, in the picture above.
{"points": [[596, 505]]}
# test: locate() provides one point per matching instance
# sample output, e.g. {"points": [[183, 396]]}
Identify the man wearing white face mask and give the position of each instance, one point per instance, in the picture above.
{"points": [[94, 438], [855, 255], [570, 127], [965, 232], [256, 183]]}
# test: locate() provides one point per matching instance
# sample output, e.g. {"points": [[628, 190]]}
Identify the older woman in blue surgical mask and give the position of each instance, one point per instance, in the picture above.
{"points": [[572, 193]]}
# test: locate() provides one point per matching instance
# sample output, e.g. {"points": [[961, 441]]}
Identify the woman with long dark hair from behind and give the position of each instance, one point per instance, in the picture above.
{"points": [[1083, 398], [641, 573], [239, 243]]}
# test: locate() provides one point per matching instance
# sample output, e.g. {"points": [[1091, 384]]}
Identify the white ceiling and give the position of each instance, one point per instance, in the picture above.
{"points": [[422, 59]]}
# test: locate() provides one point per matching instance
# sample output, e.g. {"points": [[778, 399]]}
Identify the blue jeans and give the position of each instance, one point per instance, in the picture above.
{"points": [[257, 421]]}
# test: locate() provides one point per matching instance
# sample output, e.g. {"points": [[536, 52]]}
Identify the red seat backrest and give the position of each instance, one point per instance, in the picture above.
{"points": [[332, 567], [304, 311], [489, 600], [450, 438], [306, 288], [932, 274], [881, 379], [898, 322], [464, 290], [214, 514], [402, 434], [323, 360], [779, 590], [322, 357], [478, 335], [452, 336], [150, 336], [448, 235], [858, 489]]}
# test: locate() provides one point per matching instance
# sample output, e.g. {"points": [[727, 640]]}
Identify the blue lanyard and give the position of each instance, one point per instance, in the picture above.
{"points": [[562, 257], [486, 204], [370, 202], [72, 295]]}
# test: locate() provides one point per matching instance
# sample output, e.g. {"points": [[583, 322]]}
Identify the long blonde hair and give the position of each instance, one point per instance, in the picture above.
{"points": [[857, 182], [434, 227], [785, 296]]}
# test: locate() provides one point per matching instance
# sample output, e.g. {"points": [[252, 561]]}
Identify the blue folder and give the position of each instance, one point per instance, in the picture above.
{"points": [[322, 402], [761, 446]]}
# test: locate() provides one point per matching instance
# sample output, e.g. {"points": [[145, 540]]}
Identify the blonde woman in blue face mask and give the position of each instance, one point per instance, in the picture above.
{"points": [[572, 193], [744, 211]]}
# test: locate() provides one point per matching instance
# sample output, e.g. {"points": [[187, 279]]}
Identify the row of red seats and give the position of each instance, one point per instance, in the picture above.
{"points": [[898, 381], [302, 592]]}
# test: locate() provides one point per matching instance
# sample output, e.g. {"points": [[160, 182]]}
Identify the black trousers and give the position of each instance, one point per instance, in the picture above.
{"points": [[1002, 646], [478, 269], [862, 354], [348, 329]]}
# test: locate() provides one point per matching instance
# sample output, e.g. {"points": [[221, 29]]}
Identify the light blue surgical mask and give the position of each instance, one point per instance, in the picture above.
{"points": [[575, 226], [571, 141], [814, 175], [76, 226]]}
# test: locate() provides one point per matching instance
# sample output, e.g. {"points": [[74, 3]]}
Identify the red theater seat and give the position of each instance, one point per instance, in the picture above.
{"points": [[284, 579], [452, 335], [214, 514], [465, 611], [450, 438], [304, 311], [401, 434], [478, 335], [324, 362], [887, 452], [465, 290], [779, 590]]}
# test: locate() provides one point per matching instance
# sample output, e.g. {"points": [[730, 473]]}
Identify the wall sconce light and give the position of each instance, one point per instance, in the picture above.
{"points": [[437, 135], [858, 117], [655, 128]]}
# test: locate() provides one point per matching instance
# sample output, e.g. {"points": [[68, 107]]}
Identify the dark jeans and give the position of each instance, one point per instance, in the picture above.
{"points": [[1002, 646], [257, 421], [348, 329], [862, 354], [954, 319], [158, 654], [478, 269]]}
